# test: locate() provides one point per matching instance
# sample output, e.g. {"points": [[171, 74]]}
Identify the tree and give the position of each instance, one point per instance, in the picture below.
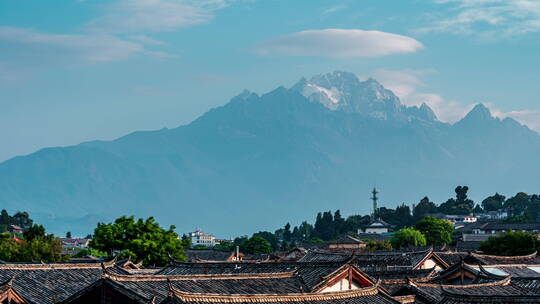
{"points": [[256, 245], [324, 226], [142, 240], [68, 234], [437, 232], [477, 209], [493, 203], [402, 216], [423, 208], [4, 221], [373, 245], [287, 233], [34, 232], [36, 246], [518, 204], [460, 205], [23, 220], [270, 237], [339, 223], [511, 243], [83, 253], [305, 230], [225, 246], [408, 237], [355, 222]]}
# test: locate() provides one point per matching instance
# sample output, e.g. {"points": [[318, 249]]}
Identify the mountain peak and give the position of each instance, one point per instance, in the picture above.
{"points": [[339, 79], [479, 112], [343, 91]]}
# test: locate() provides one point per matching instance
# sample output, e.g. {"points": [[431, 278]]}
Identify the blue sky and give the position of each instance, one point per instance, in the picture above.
{"points": [[78, 70]]}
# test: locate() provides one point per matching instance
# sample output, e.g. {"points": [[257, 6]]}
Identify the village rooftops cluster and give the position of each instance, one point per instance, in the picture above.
{"points": [[422, 276]]}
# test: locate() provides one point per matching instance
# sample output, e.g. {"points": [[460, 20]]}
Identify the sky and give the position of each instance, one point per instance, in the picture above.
{"points": [[79, 70]]}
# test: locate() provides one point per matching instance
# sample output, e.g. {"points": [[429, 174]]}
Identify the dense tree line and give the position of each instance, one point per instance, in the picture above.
{"points": [[511, 244]]}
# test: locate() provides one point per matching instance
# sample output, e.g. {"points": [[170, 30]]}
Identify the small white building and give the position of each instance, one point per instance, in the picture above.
{"points": [[200, 238], [378, 226]]}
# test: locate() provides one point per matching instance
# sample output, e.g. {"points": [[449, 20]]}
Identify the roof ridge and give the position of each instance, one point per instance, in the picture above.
{"points": [[53, 266], [228, 276], [264, 298], [502, 282], [505, 257]]}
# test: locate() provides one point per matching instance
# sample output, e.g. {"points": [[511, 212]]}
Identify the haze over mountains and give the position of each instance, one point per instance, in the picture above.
{"points": [[260, 161]]}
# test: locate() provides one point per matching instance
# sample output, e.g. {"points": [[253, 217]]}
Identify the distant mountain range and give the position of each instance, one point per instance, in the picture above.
{"points": [[260, 161]]}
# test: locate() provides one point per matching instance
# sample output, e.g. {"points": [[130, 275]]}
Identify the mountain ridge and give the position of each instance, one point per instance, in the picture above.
{"points": [[265, 154]]}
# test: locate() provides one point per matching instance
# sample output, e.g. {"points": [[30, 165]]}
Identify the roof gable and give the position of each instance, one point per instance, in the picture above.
{"points": [[9, 295]]}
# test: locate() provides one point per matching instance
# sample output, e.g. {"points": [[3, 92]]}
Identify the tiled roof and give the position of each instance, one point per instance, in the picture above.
{"points": [[50, 283], [371, 261], [359, 296], [195, 255]]}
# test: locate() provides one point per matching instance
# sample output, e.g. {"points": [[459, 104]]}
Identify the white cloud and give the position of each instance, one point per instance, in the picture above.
{"points": [[140, 16], [530, 118], [334, 9], [408, 86], [339, 43], [488, 18], [42, 47], [146, 40]]}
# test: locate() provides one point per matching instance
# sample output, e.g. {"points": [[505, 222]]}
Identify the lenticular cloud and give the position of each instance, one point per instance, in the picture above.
{"points": [[339, 43]]}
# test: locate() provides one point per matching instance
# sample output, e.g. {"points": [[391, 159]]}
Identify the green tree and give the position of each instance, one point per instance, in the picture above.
{"points": [[5, 220], [511, 244], [37, 246], [314, 240], [34, 232], [403, 216], [437, 232], [22, 219], [270, 237], [256, 245], [68, 234], [305, 230], [83, 253], [423, 208], [339, 223], [408, 237], [373, 245], [324, 226], [142, 240], [287, 233], [225, 246], [493, 203], [518, 204], [355, 222], [477, 209], [460, 205]]}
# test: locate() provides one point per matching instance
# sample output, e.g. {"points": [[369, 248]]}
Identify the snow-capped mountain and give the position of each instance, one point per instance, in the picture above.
{"points": [[344, 91]]}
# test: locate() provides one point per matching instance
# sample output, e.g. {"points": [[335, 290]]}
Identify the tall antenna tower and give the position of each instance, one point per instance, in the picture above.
{"points": [[374, 198]]}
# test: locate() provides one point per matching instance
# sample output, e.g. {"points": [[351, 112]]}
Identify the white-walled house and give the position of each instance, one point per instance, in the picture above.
{"points": [[378, 226]]}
